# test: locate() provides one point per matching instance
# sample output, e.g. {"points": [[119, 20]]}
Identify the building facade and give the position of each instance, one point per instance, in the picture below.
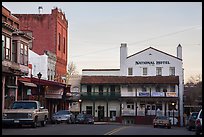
{"points": [[15, 45], [74, 81], [148, 83], [50, 32]]}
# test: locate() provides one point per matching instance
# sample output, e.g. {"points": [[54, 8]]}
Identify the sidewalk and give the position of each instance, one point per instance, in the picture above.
{"points": [[107, 123]]}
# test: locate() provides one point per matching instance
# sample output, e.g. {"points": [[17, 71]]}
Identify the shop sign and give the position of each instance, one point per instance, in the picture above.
{"points": [[171, 94], [157, 94], [144, 94]]}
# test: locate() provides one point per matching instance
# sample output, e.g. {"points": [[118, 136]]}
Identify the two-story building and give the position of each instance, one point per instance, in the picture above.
{"points": [[148, 83], [15, 45]]}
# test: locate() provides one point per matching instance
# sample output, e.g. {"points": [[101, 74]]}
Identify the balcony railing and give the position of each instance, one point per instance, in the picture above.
{"points": [[100, 95], [128, 112]]}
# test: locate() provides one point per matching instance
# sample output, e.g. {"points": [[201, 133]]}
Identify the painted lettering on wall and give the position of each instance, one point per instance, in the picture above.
{"points": [[151, 62]]}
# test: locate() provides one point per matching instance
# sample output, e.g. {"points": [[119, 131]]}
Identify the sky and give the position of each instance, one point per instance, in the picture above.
{"points": [[97, 29]]}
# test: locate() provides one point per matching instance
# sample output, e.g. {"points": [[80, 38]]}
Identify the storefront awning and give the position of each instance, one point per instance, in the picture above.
{"points": [[29, 84], [10, 86]]}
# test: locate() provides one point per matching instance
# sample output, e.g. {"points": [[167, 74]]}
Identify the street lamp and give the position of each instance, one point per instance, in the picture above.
{"points": [[39, 77], [173, 111], [80, 105]]}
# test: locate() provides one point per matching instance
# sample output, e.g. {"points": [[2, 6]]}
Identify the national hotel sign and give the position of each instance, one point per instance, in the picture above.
{"points": [[151, 62]]}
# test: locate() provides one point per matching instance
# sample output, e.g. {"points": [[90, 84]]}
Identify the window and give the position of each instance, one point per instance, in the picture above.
{"points": [[130, 71], [48, 74], [59, 42], [89, 110], [159, 106], [144, 89], [100, 90], [14, 51], [172, 88], [3, 46], [130, 105], [172, 71], [157, 89], [130, 89], [112, 89], [8, 48], [25, 55], [89, 89], [144, 71], [158, 71], [21, 54], [64, 44]]}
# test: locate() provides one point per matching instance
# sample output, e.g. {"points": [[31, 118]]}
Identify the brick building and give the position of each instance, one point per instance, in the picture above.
{"points": [[50, 33]]}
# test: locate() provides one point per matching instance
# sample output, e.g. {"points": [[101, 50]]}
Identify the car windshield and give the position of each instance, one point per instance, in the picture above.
{"points": [[89, 116], [162, 117], [24, 105], [80, 116], [62, 112]]}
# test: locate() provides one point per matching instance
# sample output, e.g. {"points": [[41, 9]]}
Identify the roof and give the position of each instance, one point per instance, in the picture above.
{"points": [[130, 80], [156, 50], [100, 69]]}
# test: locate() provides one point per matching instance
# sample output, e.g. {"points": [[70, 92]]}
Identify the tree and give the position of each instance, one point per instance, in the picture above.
{"points": [[193, 91], [71, 71]]}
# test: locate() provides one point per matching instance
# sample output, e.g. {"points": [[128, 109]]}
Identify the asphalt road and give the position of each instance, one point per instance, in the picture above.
{"points": [[99, 129]]}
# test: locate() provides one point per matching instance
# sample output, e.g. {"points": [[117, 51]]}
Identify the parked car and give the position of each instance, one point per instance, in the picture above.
{"points": [[162, 121], [198, 123], [191, 121], [25, 112], [63, 116], [85, 119]]}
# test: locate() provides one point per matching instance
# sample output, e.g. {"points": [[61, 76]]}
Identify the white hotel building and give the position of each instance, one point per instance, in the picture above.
{"points": [[148, 83]]}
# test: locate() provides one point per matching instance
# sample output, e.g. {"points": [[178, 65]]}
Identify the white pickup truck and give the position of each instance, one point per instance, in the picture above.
{"points": [[25, 112]]}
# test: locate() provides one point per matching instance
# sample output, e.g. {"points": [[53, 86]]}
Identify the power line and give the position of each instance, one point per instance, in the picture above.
{"points": [[164, 35]]}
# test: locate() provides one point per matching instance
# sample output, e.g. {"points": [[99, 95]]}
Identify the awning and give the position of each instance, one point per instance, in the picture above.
{"points": [[29, 84], [10, 86]]}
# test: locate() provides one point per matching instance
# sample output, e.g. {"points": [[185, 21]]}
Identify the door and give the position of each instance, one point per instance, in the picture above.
{"points": [[112, 115], [100, 113]]}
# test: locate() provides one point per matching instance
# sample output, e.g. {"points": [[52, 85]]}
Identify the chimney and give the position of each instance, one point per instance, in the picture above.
{"points": [[40, 9], [179, 51], [123, 57]]}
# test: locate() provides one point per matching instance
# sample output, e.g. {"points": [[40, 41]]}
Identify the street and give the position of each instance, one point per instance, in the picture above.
{"points": [[96, 129]]}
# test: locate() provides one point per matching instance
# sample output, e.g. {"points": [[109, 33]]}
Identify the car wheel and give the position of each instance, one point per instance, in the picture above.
{"points": [[44, 122], [155, 126], [169, 127], [69, 121], [197, 132], [34, 125]]}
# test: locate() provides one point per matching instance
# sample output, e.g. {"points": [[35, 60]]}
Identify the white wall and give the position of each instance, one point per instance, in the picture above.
{"points": [[151, 69], [39, 64], [101, 73]]}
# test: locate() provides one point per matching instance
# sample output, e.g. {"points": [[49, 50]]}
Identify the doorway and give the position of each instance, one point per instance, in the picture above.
{"points": [[100, 113]]}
